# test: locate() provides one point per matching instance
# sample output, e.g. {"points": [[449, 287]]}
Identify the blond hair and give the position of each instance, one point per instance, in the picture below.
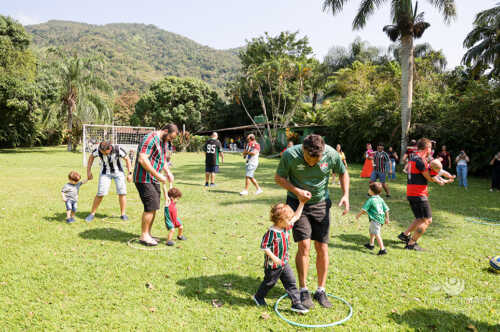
{"points": [[281, 212]]}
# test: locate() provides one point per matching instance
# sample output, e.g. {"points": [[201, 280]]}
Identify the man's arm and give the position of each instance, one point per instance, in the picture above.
{"points": [[449, 160], [344, 184], [221, 157], [129, 168], [89, 167], [387, 221], [302, 195], [146, 164], [432, 179]]}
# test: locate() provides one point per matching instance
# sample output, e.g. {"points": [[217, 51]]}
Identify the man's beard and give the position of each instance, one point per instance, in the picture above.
{"points": [[164, 137]]}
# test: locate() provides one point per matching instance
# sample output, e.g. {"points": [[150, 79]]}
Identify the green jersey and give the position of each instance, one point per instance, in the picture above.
{"points": [[376, 208], [311, 178]]}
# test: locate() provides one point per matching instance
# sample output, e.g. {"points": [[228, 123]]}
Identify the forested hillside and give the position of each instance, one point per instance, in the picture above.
{"points": [[138, 54]]}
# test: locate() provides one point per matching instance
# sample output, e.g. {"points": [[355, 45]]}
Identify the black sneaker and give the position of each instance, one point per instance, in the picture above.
{"points": [[369, 246], [322, 299], [403, 237], [415, 247], [388, 196], [305, 299], [181, 238], [259, 301], [299, 307], [382, 252]]}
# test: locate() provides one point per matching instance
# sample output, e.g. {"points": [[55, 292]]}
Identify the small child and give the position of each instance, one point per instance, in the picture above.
{"points": [[436, 171], [171, 219], [70, 195], [378, 214], [276, 266]]}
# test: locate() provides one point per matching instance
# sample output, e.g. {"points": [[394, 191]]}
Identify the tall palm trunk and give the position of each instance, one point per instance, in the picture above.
{"points": [[406, 88], [70, 127]]}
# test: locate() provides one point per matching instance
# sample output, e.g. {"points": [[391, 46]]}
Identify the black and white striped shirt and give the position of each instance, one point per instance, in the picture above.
{"points": [[110, 164]]}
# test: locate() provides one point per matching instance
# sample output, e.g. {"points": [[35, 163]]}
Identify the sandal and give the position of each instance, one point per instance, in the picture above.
{"points": [[148, 244]]}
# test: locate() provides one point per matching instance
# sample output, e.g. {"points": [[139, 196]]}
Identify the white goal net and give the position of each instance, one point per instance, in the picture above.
{"points": [[126, 137]]}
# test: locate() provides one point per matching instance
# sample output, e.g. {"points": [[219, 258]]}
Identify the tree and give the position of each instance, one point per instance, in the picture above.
{"points": [[79, 95], [124, 107], [424, 51], [186, 101], [483, 42], [407, 25]]}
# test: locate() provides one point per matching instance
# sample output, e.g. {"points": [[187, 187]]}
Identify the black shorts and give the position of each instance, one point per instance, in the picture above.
{"points": [[314, 223], [211, 168], [420, 206], [150, 195]]}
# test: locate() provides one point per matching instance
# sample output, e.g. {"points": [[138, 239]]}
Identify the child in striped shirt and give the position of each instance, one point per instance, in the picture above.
{"points": [[275, 246]]}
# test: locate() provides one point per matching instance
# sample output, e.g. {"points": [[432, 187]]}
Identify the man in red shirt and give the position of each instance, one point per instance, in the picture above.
{"points": [[417, 194]]}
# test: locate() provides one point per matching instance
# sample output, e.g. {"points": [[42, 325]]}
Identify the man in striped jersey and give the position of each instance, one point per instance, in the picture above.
{"points": [[111, 169], [151, 162], [381, 160]]}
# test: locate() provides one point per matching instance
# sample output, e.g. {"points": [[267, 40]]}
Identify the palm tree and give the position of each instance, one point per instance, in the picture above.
{"points": [[424, 51], [407, 25], [483, 42], [79, 97]]}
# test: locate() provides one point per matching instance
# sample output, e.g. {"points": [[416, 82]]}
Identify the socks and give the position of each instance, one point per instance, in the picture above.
{"points": [[320, 289], [303, 289]]}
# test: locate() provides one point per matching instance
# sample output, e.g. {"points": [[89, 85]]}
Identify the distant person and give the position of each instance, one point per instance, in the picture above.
{"points": [[289, 145], [213, 149], [367, 170], [378, 215], [251, 155], [172, 221], [111, 170], [70, 195], [462, 160], [381, 160], [342, 157], [393, 156], [410, 149], [446, 158], [495, 179]]}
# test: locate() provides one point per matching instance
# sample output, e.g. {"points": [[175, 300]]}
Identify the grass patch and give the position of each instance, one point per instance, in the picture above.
{"points": [[83, 276]]}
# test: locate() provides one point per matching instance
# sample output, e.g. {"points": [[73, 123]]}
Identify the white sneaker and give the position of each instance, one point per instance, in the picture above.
{"points": [[244, 193], [259, 191]]}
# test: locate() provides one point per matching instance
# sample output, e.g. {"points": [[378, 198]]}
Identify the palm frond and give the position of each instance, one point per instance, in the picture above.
{"points": [[447, 9], [419, 29], [335, 6], [366, 9], [392, 31]]}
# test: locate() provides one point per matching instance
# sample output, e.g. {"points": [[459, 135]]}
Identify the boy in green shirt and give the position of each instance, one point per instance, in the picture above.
{"points": [[378, 214]]}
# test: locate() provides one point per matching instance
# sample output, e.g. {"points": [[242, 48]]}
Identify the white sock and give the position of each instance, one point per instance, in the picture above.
{"points": [[320, 289], [303, 289]]}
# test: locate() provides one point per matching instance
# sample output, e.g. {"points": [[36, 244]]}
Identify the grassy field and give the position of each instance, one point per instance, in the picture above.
{"points": [[84, 276]]}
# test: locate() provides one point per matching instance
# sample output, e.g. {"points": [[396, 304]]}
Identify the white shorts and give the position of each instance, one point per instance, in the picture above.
{"points": [[375, 227], [105, 182], [250, 169]]}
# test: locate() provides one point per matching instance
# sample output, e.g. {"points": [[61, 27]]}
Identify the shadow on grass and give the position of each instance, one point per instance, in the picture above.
{"points": [[438, 320], [107, 234], [360, 240], [61, 216], [221, 287]]}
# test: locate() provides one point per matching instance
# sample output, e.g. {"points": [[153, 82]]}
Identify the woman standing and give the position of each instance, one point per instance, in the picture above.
{"points": [[495, 179], [342, 157], [462, 161], [393, 156], [445, 155], [368, 165]]}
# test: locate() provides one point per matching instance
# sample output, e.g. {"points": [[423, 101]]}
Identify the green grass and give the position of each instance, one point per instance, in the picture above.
{"points": [[83, 276]]}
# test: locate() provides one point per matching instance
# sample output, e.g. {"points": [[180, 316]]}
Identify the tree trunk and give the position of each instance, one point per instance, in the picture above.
{"points": [[314, 101], [406, 88], [70, 126]]}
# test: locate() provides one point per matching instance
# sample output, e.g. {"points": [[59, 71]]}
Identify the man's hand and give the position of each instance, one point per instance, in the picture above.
{"points": [[90, 176], [345, 202], [161, 178], [129, 178], [303, 195]]}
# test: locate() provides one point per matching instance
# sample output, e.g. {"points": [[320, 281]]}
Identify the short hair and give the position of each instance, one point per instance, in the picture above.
{"points": [[104, 146], [422, 143], [74, 176], [174, 193], [413, 142], [280, 212], [214, 135], [436, 164], [314, 145], [376, 188], [380, 144], [170, 128], [251, 137]]}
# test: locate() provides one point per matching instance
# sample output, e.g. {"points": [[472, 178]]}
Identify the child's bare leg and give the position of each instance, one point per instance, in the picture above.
{"points": [[179, 231], [170, 235], [72, 214], [379, 241], [68, 214], [372, 239]]}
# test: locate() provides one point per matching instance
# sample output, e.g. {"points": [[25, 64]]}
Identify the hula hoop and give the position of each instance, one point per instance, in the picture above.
{"points": [[318, 325], [491, 222], [136, 239]]}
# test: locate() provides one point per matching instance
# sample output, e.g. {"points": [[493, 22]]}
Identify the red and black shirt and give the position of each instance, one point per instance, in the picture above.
{"points": [[417, 183]]}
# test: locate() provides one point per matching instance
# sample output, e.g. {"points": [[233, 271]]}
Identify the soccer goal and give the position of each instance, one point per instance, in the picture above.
{"points": [[126, 137]]}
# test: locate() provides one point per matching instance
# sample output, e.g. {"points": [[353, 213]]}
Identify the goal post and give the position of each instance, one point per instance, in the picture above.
{"points": [[126, 137]]}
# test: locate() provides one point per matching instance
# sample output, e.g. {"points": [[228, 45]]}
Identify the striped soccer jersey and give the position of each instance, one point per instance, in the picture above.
{"points": [[110, 164], [157, 153], [276, 240], [380, 160], [417, 183]]}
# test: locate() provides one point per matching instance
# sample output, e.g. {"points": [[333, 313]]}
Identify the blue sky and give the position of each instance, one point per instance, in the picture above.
{"points": [[225, 24]]}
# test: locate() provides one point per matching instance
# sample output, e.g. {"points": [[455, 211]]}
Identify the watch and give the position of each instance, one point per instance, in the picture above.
{"points": [[129, 173]]}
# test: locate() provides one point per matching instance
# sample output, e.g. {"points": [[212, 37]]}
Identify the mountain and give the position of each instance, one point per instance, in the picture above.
{"points": [[138, 54]]}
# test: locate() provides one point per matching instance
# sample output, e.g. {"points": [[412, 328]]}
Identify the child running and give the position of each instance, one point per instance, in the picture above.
{"points": [[171, 219], [70, 195], [378, 214], [436, 171], [276, 257]]}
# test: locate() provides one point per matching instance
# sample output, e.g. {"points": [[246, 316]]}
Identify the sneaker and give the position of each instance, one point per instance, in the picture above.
{"points": [[299, 307], [258, 301], [206, 184], [388, 196], [322, 299], [403, 237], [212, 184], [124, 217], [170, 243], [181, 238], [305, 299], [415, 247], [259, 191], [369, 246], [382, 252], [70, 220], [89, 218], [244, 193]]}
